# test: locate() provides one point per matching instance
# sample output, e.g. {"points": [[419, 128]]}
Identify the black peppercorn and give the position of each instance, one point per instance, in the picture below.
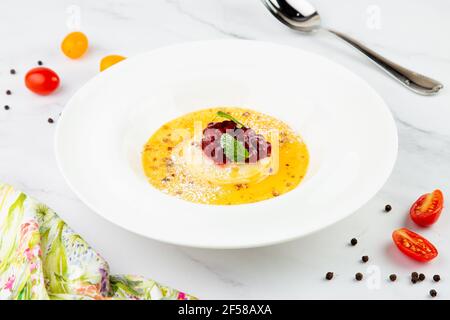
{"points": [[50, 120], [387, 208], [393, 277], [6, 107], [12, 71], [436, 278], [365, 259], [329, 275], [421, 277], [433, 293], [8, 92], [359, 276], [40, 63], [353, 242], [415, 275]]}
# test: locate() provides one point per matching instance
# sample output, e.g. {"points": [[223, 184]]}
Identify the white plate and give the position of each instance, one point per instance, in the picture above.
{"points": [[349, 130]]}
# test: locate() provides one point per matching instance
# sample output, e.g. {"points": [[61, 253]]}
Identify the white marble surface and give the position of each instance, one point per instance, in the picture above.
{"points": [[412, 32]]}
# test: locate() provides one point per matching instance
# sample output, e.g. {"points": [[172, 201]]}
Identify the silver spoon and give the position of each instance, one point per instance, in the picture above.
{"points": [[302, 16]]}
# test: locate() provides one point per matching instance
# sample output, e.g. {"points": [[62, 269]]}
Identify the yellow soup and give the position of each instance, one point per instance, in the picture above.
{"points": [[174, 162]]}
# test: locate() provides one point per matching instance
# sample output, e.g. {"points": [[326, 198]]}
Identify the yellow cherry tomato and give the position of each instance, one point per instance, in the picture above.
{"points": [[75, 44], [110, 60]]}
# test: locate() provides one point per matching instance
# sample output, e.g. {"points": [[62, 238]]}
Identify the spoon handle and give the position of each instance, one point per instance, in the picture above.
{"points": [[412, 80]]}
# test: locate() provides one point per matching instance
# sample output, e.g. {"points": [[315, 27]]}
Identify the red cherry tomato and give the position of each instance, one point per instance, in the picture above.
{"points": [[42, 80], [414, 245], [427, 209]]}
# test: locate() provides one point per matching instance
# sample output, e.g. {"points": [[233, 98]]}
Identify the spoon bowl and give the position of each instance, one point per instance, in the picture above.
{"points": [[296, 14]]}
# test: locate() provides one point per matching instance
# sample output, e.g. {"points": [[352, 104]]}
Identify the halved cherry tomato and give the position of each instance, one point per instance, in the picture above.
{"points": [[42, 80], [75, 44], [110, 60], [427, 209], [414, 245]]}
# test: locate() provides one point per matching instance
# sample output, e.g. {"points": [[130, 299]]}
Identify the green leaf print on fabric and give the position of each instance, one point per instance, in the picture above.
{"points": [[55, 264], [42, 258]]}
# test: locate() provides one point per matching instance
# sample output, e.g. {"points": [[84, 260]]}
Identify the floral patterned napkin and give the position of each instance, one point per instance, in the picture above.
{"points": [[42, 258]]}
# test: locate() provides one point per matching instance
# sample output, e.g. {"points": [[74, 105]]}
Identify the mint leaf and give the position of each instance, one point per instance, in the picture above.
{"points": [[229, 117], [233, 149]]}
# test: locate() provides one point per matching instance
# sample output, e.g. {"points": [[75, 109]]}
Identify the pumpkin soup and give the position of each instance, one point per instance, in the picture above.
{"points": [[225, 156]]}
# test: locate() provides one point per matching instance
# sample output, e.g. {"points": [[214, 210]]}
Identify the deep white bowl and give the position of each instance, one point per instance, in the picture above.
{"points": [[349, 130]]}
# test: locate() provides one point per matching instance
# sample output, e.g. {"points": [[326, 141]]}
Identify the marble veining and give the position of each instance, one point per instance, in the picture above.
{"points": [[292, 270]]}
